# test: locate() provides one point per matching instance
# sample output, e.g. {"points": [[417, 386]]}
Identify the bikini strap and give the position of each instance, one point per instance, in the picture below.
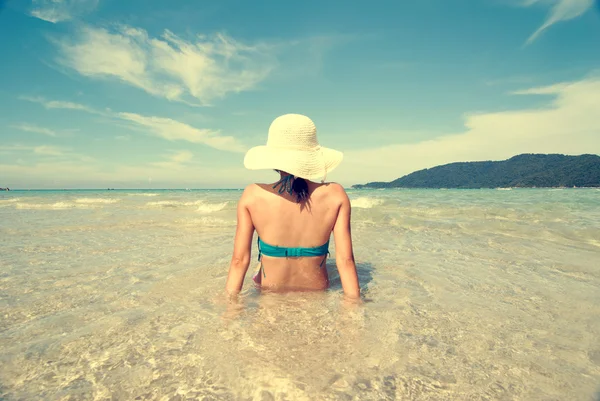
{"points": [[259, 257], [324, 259], [259, 251]]}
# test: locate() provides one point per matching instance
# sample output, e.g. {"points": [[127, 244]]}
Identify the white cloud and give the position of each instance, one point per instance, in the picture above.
{"points": [[173, 130], [15, 148], [35, 129], [182, 156], [561, 10], [568, 124], [61, 10], [166, 128], [73, 174], [56, 104], [205, 68], [48, 150], [176, 160]]}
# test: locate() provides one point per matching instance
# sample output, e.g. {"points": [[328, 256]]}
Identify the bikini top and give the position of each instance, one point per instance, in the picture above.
{"points": [[284, 252]]}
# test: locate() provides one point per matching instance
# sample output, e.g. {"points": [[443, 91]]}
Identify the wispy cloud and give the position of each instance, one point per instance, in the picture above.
{"points": [[15, 148], [182, 156], [173, 130], [561, 10], [175, 160], [67, 174], [200, 70], [166, 128], [57, 104], [35, 129], [61, 10], [568, 124], [48, 150]]}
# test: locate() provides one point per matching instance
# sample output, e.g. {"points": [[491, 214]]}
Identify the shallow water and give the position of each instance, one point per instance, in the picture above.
{"points": [[470, 295]]}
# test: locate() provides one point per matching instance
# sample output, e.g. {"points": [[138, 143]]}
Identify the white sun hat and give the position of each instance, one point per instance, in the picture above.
{"points": [[292, 147]]}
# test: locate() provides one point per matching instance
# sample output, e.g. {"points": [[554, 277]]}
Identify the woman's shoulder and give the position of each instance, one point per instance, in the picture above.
{"points": [[332, 191], [256, 190], [332, 187]]}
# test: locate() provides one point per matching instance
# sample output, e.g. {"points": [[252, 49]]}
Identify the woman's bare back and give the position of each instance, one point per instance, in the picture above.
{"points": [[279, 220]]}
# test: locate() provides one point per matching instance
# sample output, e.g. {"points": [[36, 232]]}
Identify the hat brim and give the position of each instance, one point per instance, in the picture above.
{"points": [[308, 164]]}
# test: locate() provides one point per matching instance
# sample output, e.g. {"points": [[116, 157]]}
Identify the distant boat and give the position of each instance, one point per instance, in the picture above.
{"points": [[4, 189]]}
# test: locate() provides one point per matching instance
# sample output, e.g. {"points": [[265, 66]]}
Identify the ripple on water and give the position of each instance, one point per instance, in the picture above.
{"points": [[469, 295]]}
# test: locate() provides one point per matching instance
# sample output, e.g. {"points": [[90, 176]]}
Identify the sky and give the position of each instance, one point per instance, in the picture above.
{"points": [[157, 94]]}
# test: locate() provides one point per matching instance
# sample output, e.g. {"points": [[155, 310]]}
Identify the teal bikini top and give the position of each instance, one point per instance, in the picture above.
{"points": [[283, 252]]}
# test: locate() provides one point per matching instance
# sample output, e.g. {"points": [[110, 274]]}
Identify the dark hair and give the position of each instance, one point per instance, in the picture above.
{"points": [[300, 188]]}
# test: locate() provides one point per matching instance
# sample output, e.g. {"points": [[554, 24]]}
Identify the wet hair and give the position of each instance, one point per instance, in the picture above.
{"points": [[298, 187]]}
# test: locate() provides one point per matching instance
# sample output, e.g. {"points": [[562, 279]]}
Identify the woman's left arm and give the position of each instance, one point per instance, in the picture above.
{"points": [[242, 247]]}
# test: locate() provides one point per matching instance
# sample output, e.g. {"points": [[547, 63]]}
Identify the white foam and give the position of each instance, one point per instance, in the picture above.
{"points": [[47, 206], [211, 207], [150, 194], [96, 200], [366, 202], [168, 203], [202, 206], [10, 200], [504, 189], [206, 222]]}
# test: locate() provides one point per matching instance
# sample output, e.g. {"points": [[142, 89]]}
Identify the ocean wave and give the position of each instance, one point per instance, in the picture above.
{"points": [[150, 194], [212, 207], [8, 202], [171, 203], [51, 206], [201, 205], [206, 222], [366, 202], [96, 200]]}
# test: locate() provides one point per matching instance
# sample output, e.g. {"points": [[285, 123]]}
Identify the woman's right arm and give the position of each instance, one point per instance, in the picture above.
{"points": [[344, 255]]}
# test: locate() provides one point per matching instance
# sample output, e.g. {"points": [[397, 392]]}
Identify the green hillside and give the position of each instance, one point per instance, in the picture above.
{"points": [[526, 170]]}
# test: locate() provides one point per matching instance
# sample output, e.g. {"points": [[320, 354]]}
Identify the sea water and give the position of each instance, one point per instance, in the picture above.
{"points": [[468, 295]]}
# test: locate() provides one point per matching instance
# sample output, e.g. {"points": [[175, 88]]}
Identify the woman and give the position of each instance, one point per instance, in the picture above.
{"points": [[295, 216]]}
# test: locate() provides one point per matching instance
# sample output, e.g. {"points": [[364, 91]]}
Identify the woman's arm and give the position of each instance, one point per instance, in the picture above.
{"points": [[242, 247], [344, 255]]}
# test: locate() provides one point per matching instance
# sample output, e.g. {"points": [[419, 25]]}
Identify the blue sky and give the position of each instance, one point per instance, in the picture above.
{"points": [[147, 93]]}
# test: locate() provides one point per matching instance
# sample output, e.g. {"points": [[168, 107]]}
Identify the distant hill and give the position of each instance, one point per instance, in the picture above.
{"points": [[526, 170]]}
